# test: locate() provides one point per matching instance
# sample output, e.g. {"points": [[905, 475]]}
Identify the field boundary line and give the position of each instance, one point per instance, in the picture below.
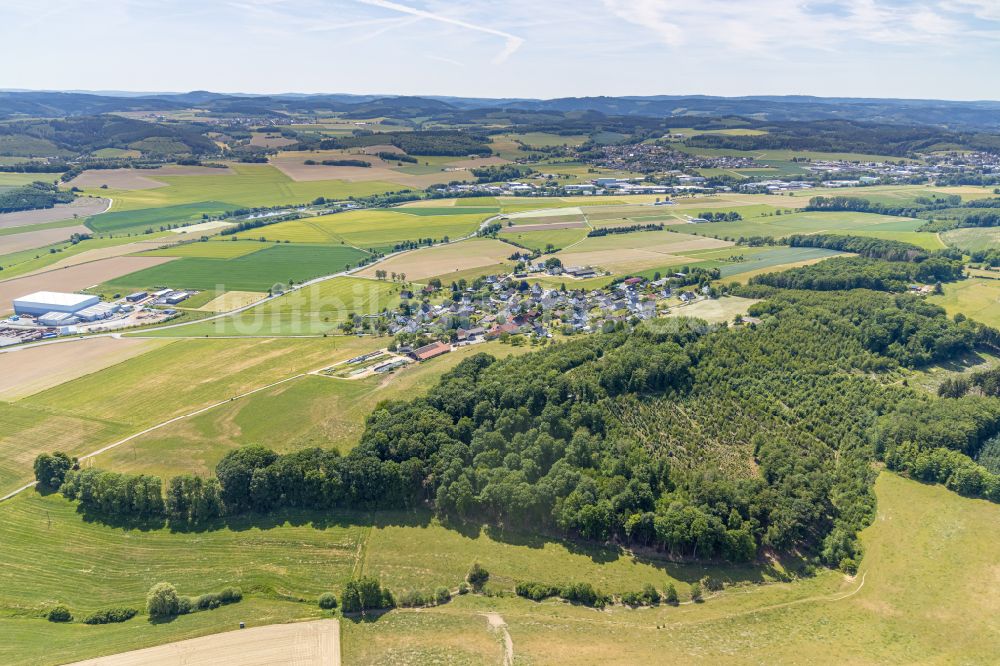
{"points": [[188, 415]]}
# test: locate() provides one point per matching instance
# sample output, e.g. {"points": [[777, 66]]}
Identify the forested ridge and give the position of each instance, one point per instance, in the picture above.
{"points": [[700, 442]]}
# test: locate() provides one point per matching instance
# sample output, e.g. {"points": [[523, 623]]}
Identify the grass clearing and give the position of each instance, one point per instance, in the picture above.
{"points": [[977, 298], [973, 239], [714, 310]]}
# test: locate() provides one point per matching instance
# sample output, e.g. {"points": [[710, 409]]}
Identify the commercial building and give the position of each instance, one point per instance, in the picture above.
{"points": [[99, 311], [43, 302], [55, 319]]}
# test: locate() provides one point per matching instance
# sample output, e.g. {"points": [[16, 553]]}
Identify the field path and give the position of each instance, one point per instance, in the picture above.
{"points": [[497, 623], [315, 643]]}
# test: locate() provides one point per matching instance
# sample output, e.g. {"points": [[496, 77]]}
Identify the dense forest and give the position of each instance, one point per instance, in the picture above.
{"points": [[846, 136], [700, 442], [33, 196], [841, 273], [433, 142], [873, 248]]}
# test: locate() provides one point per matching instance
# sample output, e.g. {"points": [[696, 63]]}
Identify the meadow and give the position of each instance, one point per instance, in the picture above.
{"points": [[313, 310], [541, 240], [972, 239], [86, 413], [258, 271], [857, 224], [313, 410], [138, 221], [919, 591], [977, 298]]}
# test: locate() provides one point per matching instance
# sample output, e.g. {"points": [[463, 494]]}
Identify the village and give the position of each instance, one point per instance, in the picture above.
{"points": [[431, 320]]}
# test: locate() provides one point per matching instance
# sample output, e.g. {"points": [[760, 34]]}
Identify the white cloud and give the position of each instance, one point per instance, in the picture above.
{"points": [[511, 42], [768, 25]]}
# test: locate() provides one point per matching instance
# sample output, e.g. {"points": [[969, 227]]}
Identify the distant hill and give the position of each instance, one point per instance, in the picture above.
{"points": [[984, 115]]}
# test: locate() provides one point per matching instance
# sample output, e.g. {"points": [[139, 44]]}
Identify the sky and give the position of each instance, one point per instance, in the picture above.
{"points": [[942, 49]]}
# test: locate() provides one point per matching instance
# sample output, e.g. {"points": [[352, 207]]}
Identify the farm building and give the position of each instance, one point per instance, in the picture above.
{"points": [[44, 302], [430, 351]]}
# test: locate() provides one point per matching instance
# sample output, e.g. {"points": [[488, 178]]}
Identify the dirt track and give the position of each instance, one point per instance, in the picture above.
{"points": [[315, 643]]}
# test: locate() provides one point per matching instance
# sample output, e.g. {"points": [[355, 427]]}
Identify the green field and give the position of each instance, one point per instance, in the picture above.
{"points": [[251, 185], [773, 257], [137, 221], [540, 240], [923, 588], [314, 410], [87, 413], [858, 224], [373, 228], [258, 271], [229, 249], [976, 298], [973, 238], [312, 310]]}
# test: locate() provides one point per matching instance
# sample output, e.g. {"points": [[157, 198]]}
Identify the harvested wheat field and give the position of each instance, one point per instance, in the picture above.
{"points": [[623, 260], [438, 261], [97, 254], [520, 228], [32, 239], [477, 162], [74, 278], [117, 179], [265, 141], [315, 643], [232, 300], [81, 207], [24, 372]]}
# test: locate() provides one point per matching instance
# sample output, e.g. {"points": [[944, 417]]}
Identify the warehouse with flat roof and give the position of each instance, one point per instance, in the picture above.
{"points": [[44, 302]]}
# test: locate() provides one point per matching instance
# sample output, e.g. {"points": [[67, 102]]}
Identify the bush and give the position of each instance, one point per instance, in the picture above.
{"points": [[696, 592], [59, 614], [463, 588], [111, 616], [581, 593], [231, 595], [162, 601], [535, 591], [670, 594], [414, 599], [185, 605], [477, 576], [327, 601], [442, 595], [208, 601], [648, 596], [365, 594]]}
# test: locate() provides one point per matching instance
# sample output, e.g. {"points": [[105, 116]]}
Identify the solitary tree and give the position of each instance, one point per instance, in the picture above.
{"points": [[162, 601]]}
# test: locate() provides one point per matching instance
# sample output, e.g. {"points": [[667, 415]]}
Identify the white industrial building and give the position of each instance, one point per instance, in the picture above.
{"points": [[45, 302]]}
